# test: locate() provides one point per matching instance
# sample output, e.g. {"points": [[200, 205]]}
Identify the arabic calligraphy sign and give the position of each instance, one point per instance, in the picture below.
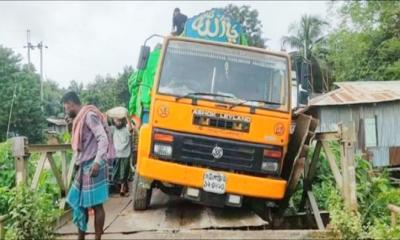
{"points": [[215, 26]]}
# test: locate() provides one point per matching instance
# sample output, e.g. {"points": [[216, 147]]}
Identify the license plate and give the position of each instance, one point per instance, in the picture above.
{"points": [[214, 182]]}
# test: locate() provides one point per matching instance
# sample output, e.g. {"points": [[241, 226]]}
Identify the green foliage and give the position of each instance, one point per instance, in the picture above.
{"points": [[374, 193], [248, 19], [5, 195], [382, 230], [32, 215], [366, 46], [27, 118], [347, 224], [306, 36], [52, 94], [7, 168], [75, 87], [106, 92], [65, 137]]}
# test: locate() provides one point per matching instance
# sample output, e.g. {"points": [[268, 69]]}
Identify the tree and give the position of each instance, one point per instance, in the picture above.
{"points": [[251, 25], [51, 99], [366, 46], [305, 36], [108, 92], [121, 86], [26, 115], [76, 87]]}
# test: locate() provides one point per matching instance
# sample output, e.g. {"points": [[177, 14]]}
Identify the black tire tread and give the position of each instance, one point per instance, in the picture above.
{"points": [[141, 196]]}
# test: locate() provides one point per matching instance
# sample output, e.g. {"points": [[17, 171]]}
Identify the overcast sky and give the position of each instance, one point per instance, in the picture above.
{"points": [[86, 39]]}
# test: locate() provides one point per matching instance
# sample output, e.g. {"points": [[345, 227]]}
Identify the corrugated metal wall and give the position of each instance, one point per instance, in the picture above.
{"points": [[388, 124]]}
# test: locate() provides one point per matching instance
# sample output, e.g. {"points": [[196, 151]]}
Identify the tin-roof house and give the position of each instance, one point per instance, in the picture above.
{"points": [[374, 107]]}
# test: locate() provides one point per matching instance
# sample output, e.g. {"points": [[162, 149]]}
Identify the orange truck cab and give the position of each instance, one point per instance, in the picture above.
{"points": [[219, 124]]}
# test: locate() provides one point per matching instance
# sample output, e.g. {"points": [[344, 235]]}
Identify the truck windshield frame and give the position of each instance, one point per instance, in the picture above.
{"points": [[246, 76]]}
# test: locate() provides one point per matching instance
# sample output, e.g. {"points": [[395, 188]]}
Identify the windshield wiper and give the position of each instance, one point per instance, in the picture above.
{"points": [[202, 94], [261, 101]]}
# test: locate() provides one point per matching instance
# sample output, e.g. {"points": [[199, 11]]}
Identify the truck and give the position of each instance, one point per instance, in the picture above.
{"points": [[217, 128]]}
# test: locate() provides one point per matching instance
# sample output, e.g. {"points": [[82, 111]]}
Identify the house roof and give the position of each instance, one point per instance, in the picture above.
{"points": [[358, 93], [58, 122]]}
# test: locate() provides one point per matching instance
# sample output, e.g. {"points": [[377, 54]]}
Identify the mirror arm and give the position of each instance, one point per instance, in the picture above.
{"points": [[154, 35]]}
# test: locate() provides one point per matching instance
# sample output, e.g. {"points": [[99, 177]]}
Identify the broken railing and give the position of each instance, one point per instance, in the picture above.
{"points": [[344, 175], [305, 166]]}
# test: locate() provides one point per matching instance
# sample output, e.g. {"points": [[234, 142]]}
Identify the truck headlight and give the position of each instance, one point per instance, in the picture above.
{"points": [[270, 166], [162, 150]]}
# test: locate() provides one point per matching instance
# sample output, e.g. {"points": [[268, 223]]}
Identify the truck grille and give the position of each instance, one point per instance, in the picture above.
{"points": [[198, 150]]}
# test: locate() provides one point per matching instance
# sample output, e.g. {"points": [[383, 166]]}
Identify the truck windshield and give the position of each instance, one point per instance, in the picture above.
{"points": [[240, 75]]}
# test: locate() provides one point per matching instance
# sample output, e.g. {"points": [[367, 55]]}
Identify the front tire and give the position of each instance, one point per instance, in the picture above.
{"points": [[141, 195]]}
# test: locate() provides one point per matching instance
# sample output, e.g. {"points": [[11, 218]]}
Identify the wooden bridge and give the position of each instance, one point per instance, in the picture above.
{"points": [[171, 218]]}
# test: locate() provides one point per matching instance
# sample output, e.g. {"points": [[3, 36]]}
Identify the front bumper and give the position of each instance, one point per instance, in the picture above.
{"points": [[245, 185]]}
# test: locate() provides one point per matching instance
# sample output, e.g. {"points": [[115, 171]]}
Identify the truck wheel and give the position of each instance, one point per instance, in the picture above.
{"points": [[141, 196]]}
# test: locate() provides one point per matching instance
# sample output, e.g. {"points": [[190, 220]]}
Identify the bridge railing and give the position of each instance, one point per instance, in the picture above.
{"points": [[21, 151]]}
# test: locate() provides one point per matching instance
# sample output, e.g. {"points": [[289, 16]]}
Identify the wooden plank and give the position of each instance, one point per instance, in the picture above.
{"points": [[18, 146], [328, 136], [62, 203], [332, 163], [21, 170], [171, 213], [113, 208], [48, 147], [394, 208], [352, 179], [216, 234], [349, 190], [394, 211], [345, 177], [311, 170], [315, 210], [64, 171], [70, 172], [309, 174], [292, 184], [64, 219], [56, 174], [393, 218], [394, 156], [2, 231], [297, 153], [297, 141], [38, 171]]}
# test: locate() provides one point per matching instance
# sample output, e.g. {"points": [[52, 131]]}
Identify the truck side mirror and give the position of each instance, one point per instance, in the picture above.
{"points": [[143, 57]]}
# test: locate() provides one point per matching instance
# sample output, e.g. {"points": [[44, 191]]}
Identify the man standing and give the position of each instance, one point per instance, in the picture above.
{"points": [[90, 146], [178, 22], [122, 140]]}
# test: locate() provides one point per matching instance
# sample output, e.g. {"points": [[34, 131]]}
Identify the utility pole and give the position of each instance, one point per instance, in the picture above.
{"points": [[29, 46], [40, 46], [11, 108]]}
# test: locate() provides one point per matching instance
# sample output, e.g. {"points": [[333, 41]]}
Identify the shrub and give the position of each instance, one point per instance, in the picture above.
{"points": [[5, 195], [346, 224], [31, 215], [7, 168], [374, 193]]}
